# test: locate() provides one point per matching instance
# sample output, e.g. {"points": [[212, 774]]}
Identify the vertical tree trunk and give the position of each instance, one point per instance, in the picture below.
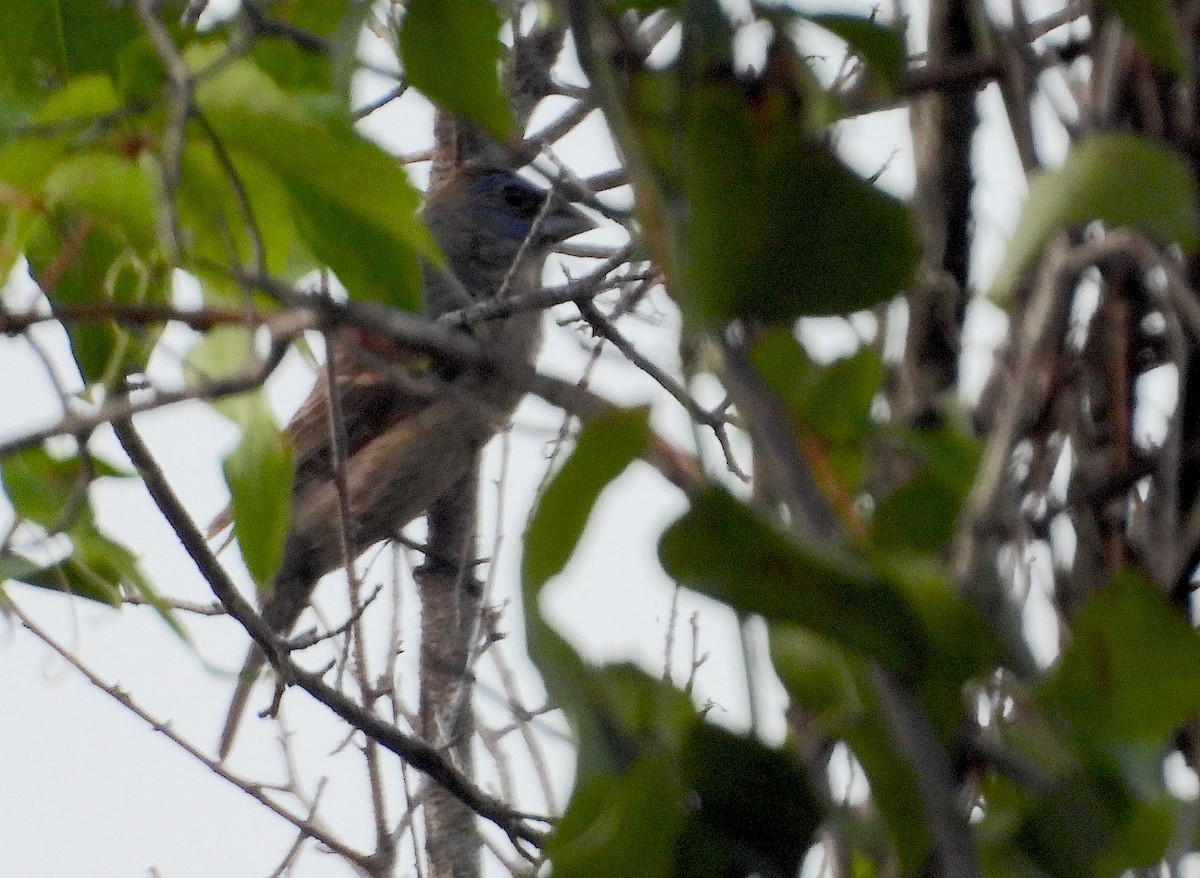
{"points": [[449, 615]]}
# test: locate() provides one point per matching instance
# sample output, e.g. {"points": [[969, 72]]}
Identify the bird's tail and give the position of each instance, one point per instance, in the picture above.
{"points": [[294, 584], [241, 696]]}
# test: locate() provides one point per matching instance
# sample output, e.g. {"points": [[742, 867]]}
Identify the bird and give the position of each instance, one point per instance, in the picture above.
{"points": [[410, 436]]}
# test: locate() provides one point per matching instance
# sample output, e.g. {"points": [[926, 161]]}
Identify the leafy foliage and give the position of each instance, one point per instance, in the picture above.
{"points": [[755, 222], [660, 792], [52, 494], [1151, 23], [451, 51], [352, 204], [259, 470], [1116, 179]]}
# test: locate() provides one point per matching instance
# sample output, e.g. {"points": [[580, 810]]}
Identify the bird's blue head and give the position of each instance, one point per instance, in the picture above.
{"points": [[507, 206]]}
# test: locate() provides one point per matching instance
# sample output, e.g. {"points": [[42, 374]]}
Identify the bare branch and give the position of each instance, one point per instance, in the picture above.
{"points": [[306, 826], [413, 751]]}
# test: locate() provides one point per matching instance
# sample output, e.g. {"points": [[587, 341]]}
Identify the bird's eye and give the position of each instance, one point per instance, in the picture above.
{"points": [[521, 200]]}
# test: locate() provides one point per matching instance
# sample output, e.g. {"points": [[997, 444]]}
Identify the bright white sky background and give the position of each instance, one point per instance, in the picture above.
{"points": [[88, 789]]}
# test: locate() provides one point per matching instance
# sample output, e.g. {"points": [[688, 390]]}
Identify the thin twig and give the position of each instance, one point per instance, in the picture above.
{"points": [[338, 453], [210, 609], [562, 126], [668, 675], [122, 697], [125, 407], [769, 424], [918, 745], [130, 313], [179, 110], [698, 658], [412, 750], [585, 286], [1039, 335], [522, 717], [258, 251], [380, 102], [714, 420]]}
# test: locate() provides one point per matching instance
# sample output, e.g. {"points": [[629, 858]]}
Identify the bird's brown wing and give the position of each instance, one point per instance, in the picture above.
{"points": [[370, 402], [375, 390], [391, 480]]}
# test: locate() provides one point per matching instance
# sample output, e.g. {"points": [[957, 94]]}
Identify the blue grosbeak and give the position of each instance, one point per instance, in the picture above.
{"points": [[410, 439]]}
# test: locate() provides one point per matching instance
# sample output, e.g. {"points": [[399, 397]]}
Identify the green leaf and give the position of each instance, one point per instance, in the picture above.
{"points": [[107, 188], [830, 405], [1152, 23], [102, 266], [816, 673], [95, 569], [722, 549], [16, 115], [42, 42], [644, 7], [1091, 824], [1117, 179], [360, 252], [625, 824], [613, 710], [620, 714], [71, 578], [83, 97], [16, 225], [959, 645], [757, 813], [102, 560], [25, 164], [947, 454], [320, 159], [918, 516], [27, 41], [1088, 807], [42, 488], [838, 404], [14, 566], [800, 234], [677, 796], [221, 353], [26, 161], [140, 77], [93, 32], [834, 401], [452, 51], [834, 687], [785, 365], [604, 449], [260, 469], [644, 709], [209, 210], [570, 684], [296, 67], [597, 703], [106, 560], [1132, 670], [880, 46], [259, 474]]}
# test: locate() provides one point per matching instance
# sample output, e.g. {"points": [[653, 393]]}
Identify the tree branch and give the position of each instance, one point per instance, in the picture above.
{"points": [[413, 751]]}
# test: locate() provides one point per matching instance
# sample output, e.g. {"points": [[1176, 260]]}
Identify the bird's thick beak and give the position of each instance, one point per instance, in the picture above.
{"points": [[565, 220]]}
